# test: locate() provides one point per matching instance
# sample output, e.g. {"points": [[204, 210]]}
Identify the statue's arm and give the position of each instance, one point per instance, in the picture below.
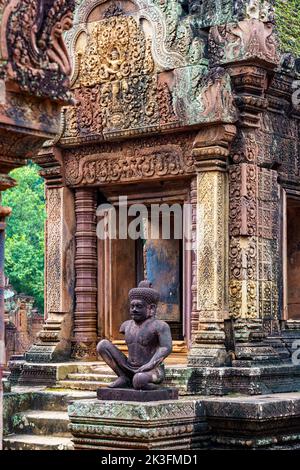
{"points": [[163, 350], [123, 327]]}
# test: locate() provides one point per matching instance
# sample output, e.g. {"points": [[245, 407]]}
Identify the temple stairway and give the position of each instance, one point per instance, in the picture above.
{"points": [[94, 376], [87, 377], [45, 428]]}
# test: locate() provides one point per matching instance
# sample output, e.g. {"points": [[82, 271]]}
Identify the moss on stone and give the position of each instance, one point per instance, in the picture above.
{"points": [[288, 25]]}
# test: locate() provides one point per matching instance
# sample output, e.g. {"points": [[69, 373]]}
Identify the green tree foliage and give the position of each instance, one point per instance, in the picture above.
{"points": [[24, 247], [288, 25]]}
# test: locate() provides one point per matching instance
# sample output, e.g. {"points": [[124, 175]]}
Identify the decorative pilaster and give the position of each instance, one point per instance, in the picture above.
{"points": [[211, 255], [85, 319], [54, 341], [254, 224]]}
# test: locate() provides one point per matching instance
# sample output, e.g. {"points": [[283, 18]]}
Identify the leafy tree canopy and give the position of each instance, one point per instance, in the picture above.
{"points": [[24, 247], [288, 25]]}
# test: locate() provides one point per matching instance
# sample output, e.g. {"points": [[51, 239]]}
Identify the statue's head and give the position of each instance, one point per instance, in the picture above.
{"points": [[143, 301]]}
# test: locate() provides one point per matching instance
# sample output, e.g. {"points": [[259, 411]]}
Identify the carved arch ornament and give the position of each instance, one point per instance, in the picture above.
{"points": [[144, 9], [33, 53]]}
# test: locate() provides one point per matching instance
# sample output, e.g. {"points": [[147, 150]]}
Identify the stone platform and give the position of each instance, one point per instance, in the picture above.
{"points": [[219, 381], [129, 394], [265, 422], [173, 424]]}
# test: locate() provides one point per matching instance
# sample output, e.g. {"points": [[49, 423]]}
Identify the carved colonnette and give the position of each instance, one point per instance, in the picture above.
{"points": [[85, 315]]}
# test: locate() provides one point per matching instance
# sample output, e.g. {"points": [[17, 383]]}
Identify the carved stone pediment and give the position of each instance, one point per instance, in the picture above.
{"points": [[138, 68]]}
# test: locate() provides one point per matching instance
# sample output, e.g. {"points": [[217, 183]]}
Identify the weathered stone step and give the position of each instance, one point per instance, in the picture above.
{"points": [[81, 384], [57, 400], [92, 377], [32, 442], [93, 368], [41, 422]]}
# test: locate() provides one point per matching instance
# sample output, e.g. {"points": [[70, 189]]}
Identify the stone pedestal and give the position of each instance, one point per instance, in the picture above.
{"points": [[129, 394], [114, 425], [245, 378], [257, 423]]}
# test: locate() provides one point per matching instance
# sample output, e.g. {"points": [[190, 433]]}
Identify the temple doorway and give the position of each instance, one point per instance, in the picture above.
{"points": [[123, 263], [293, 258]]}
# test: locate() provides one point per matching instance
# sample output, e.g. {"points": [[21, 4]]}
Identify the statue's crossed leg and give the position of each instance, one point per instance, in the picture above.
{"points": [[128, 376]]}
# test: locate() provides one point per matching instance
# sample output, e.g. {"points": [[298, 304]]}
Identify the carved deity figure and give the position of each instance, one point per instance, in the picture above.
{"points": [[114, 71], [148, 339]]}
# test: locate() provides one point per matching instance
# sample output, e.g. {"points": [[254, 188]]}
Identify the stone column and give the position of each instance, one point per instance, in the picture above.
{"points": [[210, 264], [85, 317], [54, 341]]}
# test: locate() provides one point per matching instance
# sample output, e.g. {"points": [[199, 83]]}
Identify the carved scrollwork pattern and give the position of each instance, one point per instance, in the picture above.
{"points": [[211, 247], [53, 253], [129, 163]]}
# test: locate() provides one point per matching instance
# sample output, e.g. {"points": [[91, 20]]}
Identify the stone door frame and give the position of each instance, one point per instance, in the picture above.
{"points": [[146, 196]]}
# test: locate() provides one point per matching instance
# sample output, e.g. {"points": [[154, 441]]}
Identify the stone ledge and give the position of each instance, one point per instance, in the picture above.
{"points": [[266, 422], [222, 381]]}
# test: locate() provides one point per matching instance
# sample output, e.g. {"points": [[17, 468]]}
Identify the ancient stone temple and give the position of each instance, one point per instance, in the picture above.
{"points": [[183, 103], [22, 322]]}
